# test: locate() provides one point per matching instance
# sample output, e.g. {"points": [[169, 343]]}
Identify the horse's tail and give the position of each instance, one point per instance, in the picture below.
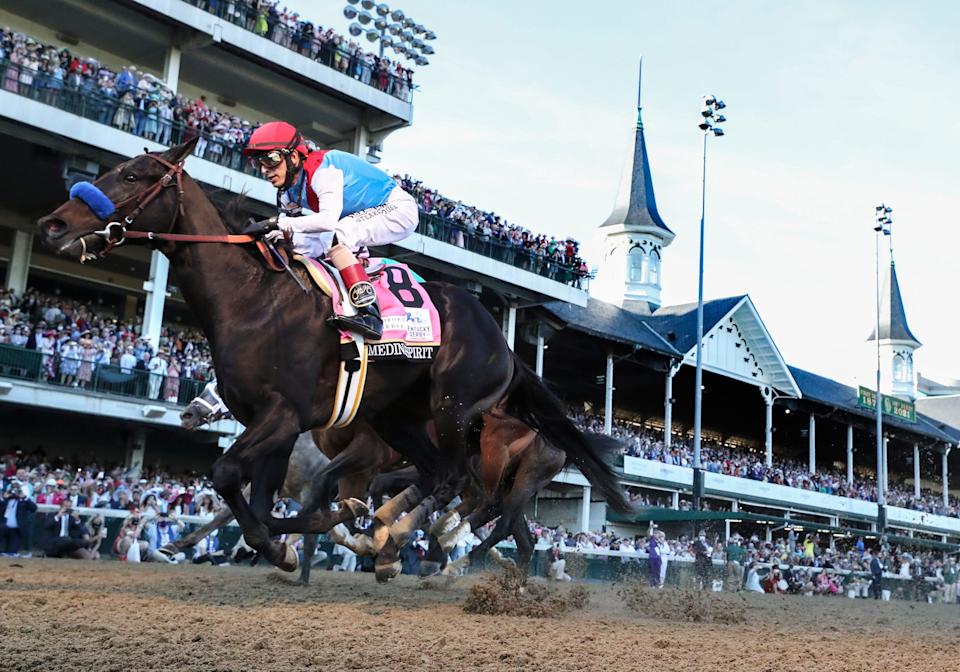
{"points": [[530, 401]]}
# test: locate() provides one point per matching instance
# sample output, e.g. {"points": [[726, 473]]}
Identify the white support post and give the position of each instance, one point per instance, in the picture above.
{"points": [[834, 522], [886, 473], [584, 521], [812, 444], [156, 288], [668, 408], [768, 426], [850, 454], [540, 349], [511, 325], [360, 142], [18, 268], [946, 479], [608, 397], [136, 449], [916, 470], [675, 501], [171, 68]]}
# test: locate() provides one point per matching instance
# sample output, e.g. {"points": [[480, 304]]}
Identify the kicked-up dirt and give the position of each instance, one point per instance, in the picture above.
{"points": [[75, 615]]}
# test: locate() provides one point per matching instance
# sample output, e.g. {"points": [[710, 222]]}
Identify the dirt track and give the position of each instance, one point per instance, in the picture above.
{"points": [[70, 615]]}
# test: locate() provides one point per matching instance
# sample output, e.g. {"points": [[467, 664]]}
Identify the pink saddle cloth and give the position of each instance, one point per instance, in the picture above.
{"points": [[411, 323]]}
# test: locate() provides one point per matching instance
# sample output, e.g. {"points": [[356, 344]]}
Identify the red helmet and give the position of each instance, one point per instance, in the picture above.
{"points": [[276, 135]]}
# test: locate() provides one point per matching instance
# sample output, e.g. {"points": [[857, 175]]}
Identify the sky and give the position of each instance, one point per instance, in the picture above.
{"points": [[527, 109]]}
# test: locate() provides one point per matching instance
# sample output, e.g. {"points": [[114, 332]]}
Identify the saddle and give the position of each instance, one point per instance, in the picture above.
{"points": [[411, 326]]}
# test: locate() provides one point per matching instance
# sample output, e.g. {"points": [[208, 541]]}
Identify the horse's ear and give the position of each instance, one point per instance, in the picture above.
{"points": [[179, 153]]}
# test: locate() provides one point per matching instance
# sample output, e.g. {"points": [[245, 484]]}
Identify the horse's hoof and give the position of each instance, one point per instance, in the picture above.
{"points": [[356, 508], [496, 556], [364, 546], [457, 566], [445, 524], [291, 560], [167, 551], [454, 537], [387, 571]]}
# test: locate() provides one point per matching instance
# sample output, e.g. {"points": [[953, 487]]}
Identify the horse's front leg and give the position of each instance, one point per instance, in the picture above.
{"points": [[267, 441]]}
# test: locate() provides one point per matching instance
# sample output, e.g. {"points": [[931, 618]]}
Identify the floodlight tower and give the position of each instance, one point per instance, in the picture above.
{"points": [[710, 120], [393, 28]]}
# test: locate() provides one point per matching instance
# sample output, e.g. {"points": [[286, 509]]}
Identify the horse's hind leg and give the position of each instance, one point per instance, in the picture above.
{"points": [[309, 550]]}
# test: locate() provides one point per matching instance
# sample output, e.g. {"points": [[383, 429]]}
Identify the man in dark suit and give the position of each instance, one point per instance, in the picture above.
{"points": [[16, 521], [876, 571], [69, 535]]}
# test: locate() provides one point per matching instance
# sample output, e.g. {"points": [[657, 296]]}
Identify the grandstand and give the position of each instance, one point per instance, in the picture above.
{"points": [[615, 353]]}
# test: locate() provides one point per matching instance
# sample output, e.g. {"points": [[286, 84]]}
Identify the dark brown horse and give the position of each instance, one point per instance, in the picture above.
{"points": [[277, 360]]}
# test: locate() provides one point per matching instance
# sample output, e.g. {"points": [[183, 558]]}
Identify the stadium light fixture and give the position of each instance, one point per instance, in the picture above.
{"points": [[408, 36], [710, 125], [882, 226]]}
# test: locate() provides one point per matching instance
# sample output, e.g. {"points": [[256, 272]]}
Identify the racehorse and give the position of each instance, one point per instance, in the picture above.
{"points": [[277, 361]]}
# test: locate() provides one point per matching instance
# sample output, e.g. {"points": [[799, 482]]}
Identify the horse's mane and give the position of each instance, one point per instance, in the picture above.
{"points": [[233, 211]]}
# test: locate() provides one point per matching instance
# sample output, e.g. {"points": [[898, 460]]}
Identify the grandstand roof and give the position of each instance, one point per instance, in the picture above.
{"points": [[611, 322], [678, 324], [636, 206], [893, 318], [670, 330], [832, 393]]}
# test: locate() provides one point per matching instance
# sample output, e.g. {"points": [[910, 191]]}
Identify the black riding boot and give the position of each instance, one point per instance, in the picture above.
{"points": [[366, 322]]}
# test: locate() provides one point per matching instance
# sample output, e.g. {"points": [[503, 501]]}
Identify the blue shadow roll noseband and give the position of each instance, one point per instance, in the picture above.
{"points": [[98, 202]]}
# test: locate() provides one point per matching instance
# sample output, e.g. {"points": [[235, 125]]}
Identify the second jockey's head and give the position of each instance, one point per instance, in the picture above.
{"points": [[277, 150]]}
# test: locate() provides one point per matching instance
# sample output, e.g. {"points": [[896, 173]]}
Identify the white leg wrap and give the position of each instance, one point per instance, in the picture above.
{"points": [[445, 523], [454, 537]]}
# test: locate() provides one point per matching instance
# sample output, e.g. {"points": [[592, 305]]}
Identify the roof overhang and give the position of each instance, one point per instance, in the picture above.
{"points": [[739, 346]]}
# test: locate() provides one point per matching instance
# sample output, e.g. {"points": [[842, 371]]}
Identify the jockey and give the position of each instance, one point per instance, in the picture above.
{"points": [[334, 204]]}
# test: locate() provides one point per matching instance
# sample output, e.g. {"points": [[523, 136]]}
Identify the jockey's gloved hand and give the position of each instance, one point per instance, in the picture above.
{"points": [[259, 228]]}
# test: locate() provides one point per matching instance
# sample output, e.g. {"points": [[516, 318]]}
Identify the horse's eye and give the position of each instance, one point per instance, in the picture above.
{"points": [[130, 177]]}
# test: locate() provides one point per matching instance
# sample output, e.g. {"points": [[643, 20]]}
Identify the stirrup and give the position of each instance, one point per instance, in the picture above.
{"points": [[365, 324]]}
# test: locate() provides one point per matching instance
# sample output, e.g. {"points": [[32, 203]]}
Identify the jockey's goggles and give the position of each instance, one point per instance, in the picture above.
{"points": [[270, 159]]}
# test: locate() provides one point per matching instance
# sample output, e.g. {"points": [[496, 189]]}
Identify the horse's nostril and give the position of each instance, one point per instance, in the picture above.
{"points": [[53, 227]]}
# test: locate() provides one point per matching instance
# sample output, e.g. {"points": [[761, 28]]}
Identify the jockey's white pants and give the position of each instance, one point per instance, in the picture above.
{"points": [[394, 220]]}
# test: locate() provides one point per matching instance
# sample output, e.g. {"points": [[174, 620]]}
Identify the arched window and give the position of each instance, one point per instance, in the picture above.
{"points": [[654, 276], [636, 265], [900, 373]]}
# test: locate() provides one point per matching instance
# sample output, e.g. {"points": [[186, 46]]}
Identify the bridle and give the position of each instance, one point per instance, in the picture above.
{"points": [[116, 233]]}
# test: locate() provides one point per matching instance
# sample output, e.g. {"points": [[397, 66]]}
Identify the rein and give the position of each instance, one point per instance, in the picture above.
{"points": [[116, 233]]}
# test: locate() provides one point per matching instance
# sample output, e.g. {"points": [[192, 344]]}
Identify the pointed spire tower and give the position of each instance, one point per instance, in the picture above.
{"points": [[897, 342], [634, 234]]}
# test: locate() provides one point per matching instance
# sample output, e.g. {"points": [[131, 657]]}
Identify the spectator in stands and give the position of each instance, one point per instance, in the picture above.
{"points": [[69, 538], [16, 520], [876, 571], [736, 555]]}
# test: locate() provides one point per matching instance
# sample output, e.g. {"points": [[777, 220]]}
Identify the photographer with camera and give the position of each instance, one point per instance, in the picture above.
{"points": [[71, 539], [16, 521], [162, 530], [128, 544]]}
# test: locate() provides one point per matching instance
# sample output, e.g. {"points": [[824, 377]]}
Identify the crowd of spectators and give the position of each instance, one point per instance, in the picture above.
{"points": [[132, 100], [154, 501], [487, 232], [647, 443], [288, 29], [77, 338], [790, 564], [141, 103]]}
